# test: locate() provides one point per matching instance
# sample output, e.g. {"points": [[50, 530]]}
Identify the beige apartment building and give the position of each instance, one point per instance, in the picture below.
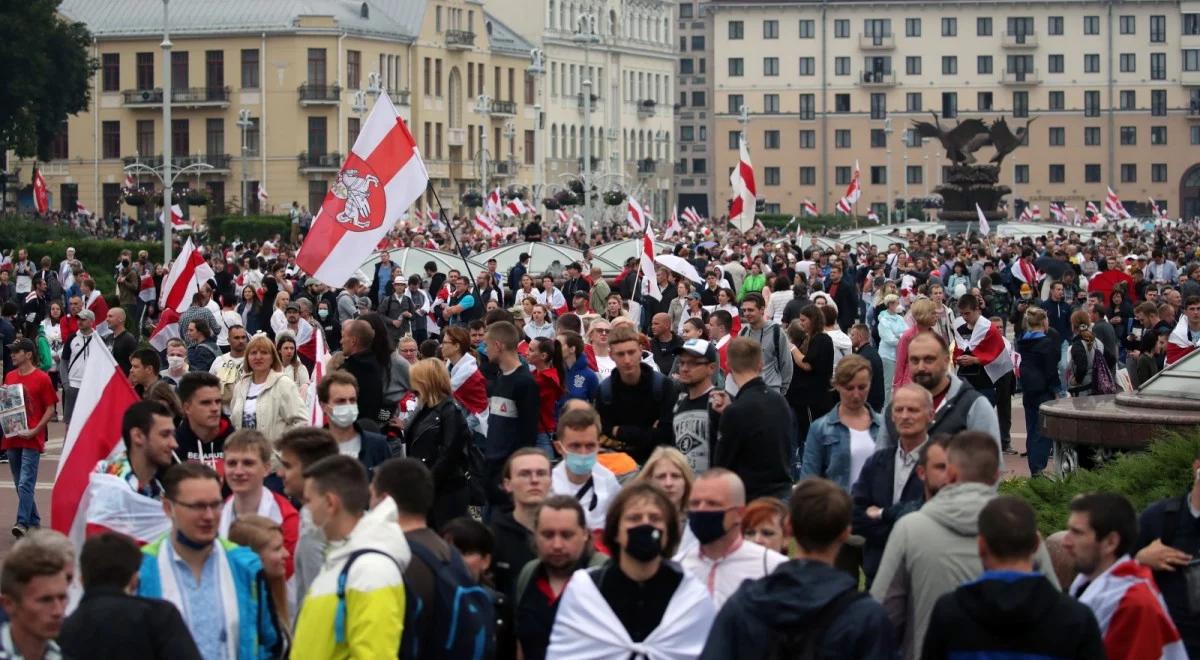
{"points": [[273, 99], [1112, 91]]}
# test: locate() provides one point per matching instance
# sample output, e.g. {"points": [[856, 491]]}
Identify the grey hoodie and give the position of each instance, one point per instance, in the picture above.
{"points": [[930, 553]]}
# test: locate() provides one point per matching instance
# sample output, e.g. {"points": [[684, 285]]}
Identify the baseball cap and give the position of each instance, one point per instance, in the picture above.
{"points": [[701, 348], [22, 345], [292, 307], [694, 295], [580, 294], [86, 314], [312, 281]]}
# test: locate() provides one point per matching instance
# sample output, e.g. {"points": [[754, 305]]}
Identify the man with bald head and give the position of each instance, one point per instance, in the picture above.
{"points": [[956, 405], [888, 485], [121, 342], [724, 559], [357, 336], [663, 342]]}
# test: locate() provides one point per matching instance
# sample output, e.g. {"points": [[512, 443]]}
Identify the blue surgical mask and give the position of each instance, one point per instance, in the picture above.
{"points": [[580, 464]]}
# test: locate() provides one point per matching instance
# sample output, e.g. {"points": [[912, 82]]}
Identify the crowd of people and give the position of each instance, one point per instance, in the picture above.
{"points": [[795, 456]]}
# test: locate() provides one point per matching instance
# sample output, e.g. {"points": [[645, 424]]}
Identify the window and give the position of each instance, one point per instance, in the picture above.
{"points": [[1158, 66], [949, 65], [771, 176], [841, 103], [983, 64], [250, 68], [912, 65], [687, 65], [914, 174], [841, 138], [111, 67], [1128, 136], [912, 27], [771, 139], [770, 29], [912, 102], [911, 138], [1020, 102], [1091, 173], [683, 44], [698, 99], [1021, 173], [686, 10], [699, 166], [1128, 99], [145, 70], [808, 139], [735, 139], [949, 105], [145, 136], [1191, 59], [1158, 29], [1128, 173], [878, 175], [179, 137], [737, 30], [841, 176], [808, 105], [1091, 25], [1128, 62], [1091, 136], [737, 67], [983, 26], [878, 106], [984, 101], [841, 66], [1158, 102], [808, 176], [1158, 173], [214, 135], [949, 27], [878, 139], [1091, 103], [179, 69], [841, 28], [1055, 64], [1191, 24], [1057, 100], [1091, 63], [1058, 136], [807, 28], [698, 42], [1158, 135], [771, 103], [770, 66], [735, 103], [1058, 173], [1128, 24], [1195, 134], [808, 66], [111, 140], [1054, 25], [687, 133]]}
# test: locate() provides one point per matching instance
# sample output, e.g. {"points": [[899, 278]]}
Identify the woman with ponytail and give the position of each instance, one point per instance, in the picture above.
{"points": [[545, 356]]}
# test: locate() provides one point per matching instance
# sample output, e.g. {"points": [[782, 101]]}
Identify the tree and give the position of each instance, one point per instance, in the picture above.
{"points": [[47, 71]]}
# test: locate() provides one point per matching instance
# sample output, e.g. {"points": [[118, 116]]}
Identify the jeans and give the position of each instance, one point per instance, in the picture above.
{"points": [[1063, 360], [69, 396], [24, 466], [1036, 444], [889, 372]]}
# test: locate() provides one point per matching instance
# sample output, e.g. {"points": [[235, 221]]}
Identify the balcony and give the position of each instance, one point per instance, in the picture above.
{"points": [[645, 108], [595, 163], [647, 167], [184, 97], [460, 40], [456, 137], [319, 94], [1020, 40], [1019, 78], [595, 99], [399, 96], [1193, 113], [877, 78], [681, 168], [1190, 78], [885, 41], [219, 162], [505, 168], [504, 108], [314, 162]]}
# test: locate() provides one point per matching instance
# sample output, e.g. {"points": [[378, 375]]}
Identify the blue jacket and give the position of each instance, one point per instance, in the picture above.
{"points": [[256, 629], [1059, 316], [827, 449], [875, 488], [581, 382]]}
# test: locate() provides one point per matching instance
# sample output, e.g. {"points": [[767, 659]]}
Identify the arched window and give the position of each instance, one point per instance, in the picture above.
{"points": [[550, 22], [554, 140], [364, 11], [574, 150]]}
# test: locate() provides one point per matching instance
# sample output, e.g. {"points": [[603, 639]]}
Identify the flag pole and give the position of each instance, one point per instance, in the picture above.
{"points": [[450, 228]]}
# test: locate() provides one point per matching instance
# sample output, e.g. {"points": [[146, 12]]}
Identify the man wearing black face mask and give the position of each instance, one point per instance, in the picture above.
{"points": [[724, 559]]}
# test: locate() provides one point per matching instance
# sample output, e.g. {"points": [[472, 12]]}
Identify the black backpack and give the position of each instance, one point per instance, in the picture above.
{"points": [[462, 616], [805, 643]]}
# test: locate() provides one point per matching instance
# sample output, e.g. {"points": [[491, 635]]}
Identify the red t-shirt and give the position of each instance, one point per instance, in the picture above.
{"points": [[550, 390], [39, 396]]}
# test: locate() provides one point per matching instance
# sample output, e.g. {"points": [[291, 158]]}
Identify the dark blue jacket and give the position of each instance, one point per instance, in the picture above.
{"points": [[1039, 363], [1181, 533], [874, 488], [374, 450], [790, 599], [581, 382], [1059, 316]]}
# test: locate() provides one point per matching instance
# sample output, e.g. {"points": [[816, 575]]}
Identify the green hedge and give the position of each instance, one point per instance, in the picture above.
{"points": [[248, 228], [99, 256], [778, 220], [1163, 470]]}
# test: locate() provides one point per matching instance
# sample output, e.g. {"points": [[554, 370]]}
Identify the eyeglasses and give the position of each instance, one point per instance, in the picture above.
{"points": [[200, 507], [603, 331]]}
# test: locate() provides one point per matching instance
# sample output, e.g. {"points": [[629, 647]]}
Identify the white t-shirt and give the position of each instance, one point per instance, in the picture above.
{"points": [[595, 501], [862, 445], [604, 366], [351, 447], [723, 576], [225, 319], [250, 408]]}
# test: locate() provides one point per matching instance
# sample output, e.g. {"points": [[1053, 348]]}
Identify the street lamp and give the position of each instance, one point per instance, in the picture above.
{"points": [[483, 106], [166, 114], [660, 138], [244, 123], [887, 174], [585, 35], [904, 217], [509, 132], [537, 68]]}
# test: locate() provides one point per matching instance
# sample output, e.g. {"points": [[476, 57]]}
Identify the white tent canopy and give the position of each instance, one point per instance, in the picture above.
{"points": [[412, 260], [543, 258]]}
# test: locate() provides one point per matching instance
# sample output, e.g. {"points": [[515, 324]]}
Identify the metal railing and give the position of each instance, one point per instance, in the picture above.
{"points": [[310, 93]]}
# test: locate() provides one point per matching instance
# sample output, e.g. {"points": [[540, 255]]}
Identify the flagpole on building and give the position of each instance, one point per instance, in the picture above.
{"points": [[450, 228]]}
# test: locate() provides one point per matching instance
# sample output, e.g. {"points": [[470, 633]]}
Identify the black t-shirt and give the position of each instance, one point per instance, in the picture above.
{"points": [[639, 606], [692, 422], [533, 232]]}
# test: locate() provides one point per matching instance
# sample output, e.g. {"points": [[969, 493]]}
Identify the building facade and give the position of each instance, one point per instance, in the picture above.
{"points": [[694, 164], [1112, 89]]}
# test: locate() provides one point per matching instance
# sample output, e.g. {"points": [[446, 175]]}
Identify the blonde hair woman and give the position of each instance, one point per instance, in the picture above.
{"points": [[923, 313], [670, 470], [265, 537], [265, 398], [279, 322], [437, 435]]}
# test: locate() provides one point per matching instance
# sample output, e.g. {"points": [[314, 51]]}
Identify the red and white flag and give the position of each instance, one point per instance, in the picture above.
{"points": [[470, 389], [745, 192], [673, 226], [81, 209], [873, 216], [809, 208], [83, 500], [1134, 621], [382, 176], [1027, 214], [515, 207], [986, 343], [561, 217], [984, 227], [316, 415], [188, 272], [1025, 271], [41, 195], [177, 221], [1181, 342], [571, 225], [649, 278], [494, 203], [1159, 214], [635, 215], [853, 191], [1037, 212], [147, 292], [262, 193], [1113, 206], [129, 182], [96, 303], [1056, 213], [486, 224], [691, 216]]}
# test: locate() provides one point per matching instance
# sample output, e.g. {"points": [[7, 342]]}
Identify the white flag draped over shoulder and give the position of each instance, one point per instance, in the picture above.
{"points": [[382, 176]]}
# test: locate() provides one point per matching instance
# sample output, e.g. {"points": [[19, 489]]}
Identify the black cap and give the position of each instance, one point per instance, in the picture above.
{"points": [[23, 345]]}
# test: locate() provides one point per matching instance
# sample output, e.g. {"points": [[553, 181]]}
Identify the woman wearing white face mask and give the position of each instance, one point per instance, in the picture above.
{"points": [[438, 436]]}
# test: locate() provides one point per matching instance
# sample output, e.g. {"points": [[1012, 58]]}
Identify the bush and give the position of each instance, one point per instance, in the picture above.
{"points": [[1163, 470], [810, 223], [249, 228]]}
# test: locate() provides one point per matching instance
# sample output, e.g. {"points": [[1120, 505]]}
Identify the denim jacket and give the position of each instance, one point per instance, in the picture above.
{"points": [[827, 449]]}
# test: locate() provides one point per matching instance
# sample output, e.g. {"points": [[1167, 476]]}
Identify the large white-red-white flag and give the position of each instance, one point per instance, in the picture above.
{"points": [[1181, 342], [382, 176], [745, 192], [673, 226], [494, 202], [515, 207], [486, 223], [809, 208], [1113, 206], [649, 278], [177, 221], [986, 343], [262, 193], [188, 272], [846, 204], [84, 500], [41, 195], [561, 217], [635, 215], [691, 216], [316, 414]]}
